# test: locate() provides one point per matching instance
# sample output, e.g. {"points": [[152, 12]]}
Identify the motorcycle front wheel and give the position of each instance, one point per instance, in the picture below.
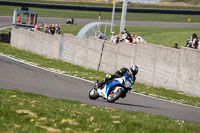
{"points": [[93, 94], [115, 94]]}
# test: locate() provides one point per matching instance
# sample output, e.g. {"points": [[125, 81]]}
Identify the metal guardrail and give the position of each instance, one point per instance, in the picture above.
{"points": [[102, 9]]}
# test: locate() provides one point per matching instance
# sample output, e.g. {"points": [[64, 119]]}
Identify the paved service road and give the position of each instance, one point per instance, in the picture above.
{"points": [[17, 75], [7, 21]]}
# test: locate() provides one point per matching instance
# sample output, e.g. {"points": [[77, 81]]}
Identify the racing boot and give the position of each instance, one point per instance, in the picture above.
{"points": [[100, 85], [96, 84]]}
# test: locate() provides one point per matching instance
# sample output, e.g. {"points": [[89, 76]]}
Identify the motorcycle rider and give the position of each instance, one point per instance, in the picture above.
{"points": [[118, 74]]}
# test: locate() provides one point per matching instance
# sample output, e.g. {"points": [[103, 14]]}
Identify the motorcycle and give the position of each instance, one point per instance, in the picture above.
{"points": [[113, 90]]}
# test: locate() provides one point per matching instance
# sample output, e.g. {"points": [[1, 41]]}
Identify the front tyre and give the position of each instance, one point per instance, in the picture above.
{"points": [[115, 94], [93, 94]]}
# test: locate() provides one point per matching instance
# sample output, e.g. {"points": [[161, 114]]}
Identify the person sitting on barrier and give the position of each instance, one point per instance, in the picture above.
{"points": [[125, 36], [36, 28], [193, 41], [57, 30], [46, 29], [175, 46], [118, 74], [52, 29], [100, 35], [114, 38]]}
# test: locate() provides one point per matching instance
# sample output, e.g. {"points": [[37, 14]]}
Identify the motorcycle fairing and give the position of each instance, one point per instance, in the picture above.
{"points": [[111, 84]]}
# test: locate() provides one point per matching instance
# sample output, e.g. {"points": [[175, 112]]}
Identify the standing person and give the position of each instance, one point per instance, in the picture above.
{"points": [[57, 30], [18, 19]]}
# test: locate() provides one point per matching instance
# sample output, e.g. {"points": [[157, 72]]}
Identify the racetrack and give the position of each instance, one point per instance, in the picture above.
{"points": [[18, 75], [7, 21]]}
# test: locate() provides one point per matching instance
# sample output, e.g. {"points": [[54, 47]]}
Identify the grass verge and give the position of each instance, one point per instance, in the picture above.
{"points": [[26, 112], [8, 11], [164, 36], [165, 4], [92, 75]]}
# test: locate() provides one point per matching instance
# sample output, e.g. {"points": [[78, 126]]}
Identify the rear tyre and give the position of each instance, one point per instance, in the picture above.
{"points": [[115, 94], [93, 94]]}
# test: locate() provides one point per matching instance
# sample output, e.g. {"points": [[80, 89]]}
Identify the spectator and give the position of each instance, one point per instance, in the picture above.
{"points": [[193, 41], [36, 28], [46, 29], [134, 36], [51, 29], [126, 37], [126, 32], [18, 19], [57, 30], [175, 46], [123, 37], [114, 38], [100, 35]]}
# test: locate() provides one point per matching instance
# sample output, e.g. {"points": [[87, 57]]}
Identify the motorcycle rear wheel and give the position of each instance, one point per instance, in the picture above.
{"points": [[93, 94], [113, 96]]}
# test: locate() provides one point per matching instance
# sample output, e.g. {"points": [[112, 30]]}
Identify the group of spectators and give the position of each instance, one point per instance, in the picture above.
{"points": [[51, 29], [191, 42], [126, 37]]}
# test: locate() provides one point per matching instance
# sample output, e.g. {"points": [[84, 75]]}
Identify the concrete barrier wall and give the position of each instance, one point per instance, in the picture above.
{"points": [[177, 69], [83, 52], [36, 42], [189, 71]]}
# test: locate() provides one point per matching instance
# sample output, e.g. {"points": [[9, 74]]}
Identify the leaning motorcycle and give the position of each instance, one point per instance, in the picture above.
{"points": [[113, 90]]}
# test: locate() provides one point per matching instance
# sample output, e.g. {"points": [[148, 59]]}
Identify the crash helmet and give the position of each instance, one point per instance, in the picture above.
{"points": [[134, 69]]}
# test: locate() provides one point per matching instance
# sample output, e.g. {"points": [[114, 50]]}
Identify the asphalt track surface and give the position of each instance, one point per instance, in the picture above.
{"points": [[6, 21], [18, 75], [27, 78]]}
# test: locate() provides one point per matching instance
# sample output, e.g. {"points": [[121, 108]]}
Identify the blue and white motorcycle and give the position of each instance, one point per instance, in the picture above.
{"points": [[113, 90]]}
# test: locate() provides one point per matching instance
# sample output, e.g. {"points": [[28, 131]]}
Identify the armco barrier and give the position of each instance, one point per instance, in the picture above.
{"points": [[177, 69]]}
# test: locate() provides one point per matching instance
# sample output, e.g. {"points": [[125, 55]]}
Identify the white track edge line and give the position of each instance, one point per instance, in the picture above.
{"points": [[92, 81]]}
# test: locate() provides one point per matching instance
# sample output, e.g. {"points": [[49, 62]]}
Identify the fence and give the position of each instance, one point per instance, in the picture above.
{"points": [[158, 65]]}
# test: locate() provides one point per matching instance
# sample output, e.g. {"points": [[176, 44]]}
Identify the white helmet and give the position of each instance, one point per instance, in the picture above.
{"points": [[134, 69]]}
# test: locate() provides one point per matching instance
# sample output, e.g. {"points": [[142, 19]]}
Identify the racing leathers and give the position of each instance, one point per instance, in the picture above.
{"points": [[118, 74]]}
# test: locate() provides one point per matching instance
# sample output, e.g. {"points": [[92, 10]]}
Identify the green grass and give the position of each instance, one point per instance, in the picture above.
{"points": [[194, 4], [25, 112], [8, 11], [92, 75], [5, 31], [164, 36], [156, 35]]}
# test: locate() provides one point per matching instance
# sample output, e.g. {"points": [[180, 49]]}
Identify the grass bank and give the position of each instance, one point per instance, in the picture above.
{"points": [[164, 4], [156, 35], [164, 36], [92, 75], [25, 112], [8, 11]]}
